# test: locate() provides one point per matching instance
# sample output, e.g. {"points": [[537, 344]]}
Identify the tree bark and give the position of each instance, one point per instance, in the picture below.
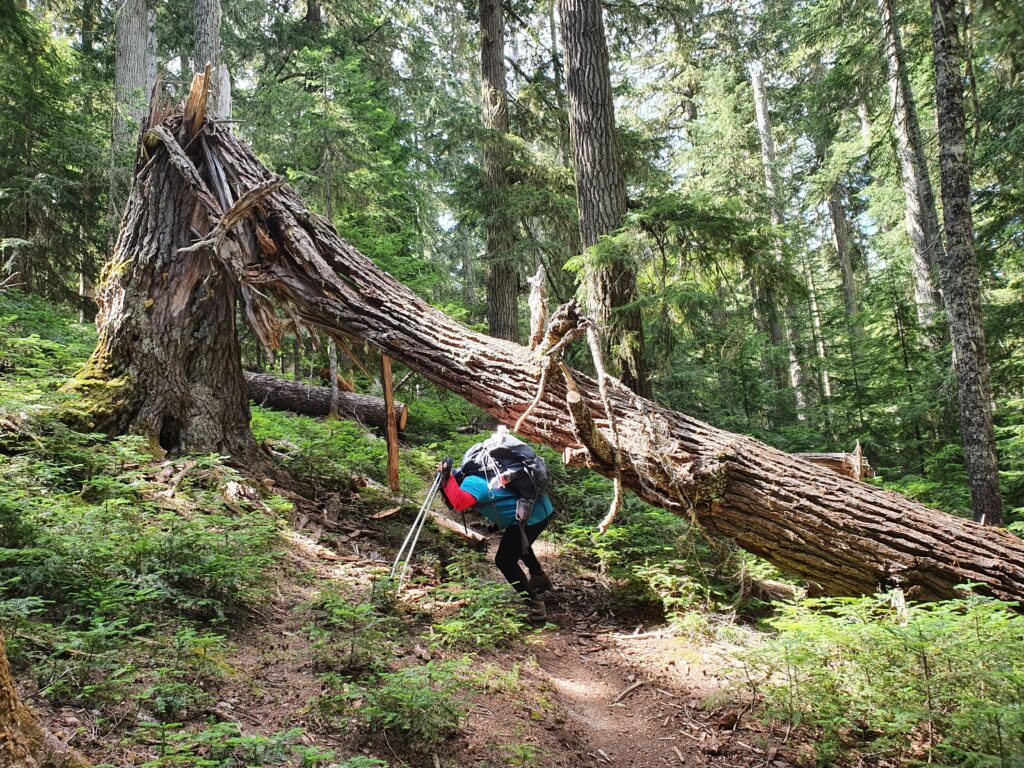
{"points": [[601, 187], [502, 276], [134, 75], [283, 395], [167, 362], [24, 742], [207, 50], [314, 13], [959, 267], [824, 379], [391, 429], [843, 244], [922, 220], [332, 351], [845, 536]]}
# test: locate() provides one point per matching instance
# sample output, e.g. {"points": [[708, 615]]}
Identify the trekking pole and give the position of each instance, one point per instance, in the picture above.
{"points": [[404, 556]]}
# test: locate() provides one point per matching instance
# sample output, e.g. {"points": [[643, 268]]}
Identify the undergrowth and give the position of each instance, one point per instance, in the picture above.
{"points": [[124, 576], [941, 683], [476, 612], [414, 708]]}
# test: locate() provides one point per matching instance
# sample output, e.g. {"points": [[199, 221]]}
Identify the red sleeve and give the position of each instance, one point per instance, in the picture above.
{"points": [[458, 498]]}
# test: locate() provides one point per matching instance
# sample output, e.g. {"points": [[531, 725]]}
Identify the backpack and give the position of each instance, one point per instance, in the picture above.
{"points": [[503, 454]]}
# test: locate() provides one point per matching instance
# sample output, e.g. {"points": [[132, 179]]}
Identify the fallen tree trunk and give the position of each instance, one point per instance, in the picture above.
{"points": [[281, 394], [848, 537]]}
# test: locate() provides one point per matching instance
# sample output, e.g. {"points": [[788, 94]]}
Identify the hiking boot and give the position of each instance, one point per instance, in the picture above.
{"points": [[536, 611], [539, 582]]}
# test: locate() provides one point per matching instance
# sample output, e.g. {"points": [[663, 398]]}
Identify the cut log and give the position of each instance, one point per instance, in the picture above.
{"points": [[284, 395], [846, 536]]}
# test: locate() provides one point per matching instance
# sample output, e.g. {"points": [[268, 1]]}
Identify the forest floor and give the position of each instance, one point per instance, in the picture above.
{"points": [[164, 612], [599, 685]]}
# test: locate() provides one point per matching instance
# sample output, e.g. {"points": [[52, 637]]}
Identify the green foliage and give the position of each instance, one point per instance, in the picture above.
{"points": [[940, 682], [416, 707], [657, 558], [478, 614], [331, 451], [522, 755], [54, 153], [350, 639], [107, 556], [103, 542], [40, 341], [225, 746]]}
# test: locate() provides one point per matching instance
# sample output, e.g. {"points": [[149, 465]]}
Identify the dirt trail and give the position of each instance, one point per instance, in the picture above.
{"points": [[641, 699], [596, 688]]}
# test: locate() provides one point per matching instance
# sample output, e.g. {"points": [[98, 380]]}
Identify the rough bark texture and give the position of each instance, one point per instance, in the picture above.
{"points": [[846, 536], [24, 743], [601, 186], [207, 51], [332, 351], [391, 429], [134, 74], [502, 275], [167, 360], [281, 394], [959, 267], [922, 220], [824, 379]]}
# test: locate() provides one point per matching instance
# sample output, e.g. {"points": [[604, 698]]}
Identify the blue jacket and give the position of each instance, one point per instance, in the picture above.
{"points": [[499, 505]]}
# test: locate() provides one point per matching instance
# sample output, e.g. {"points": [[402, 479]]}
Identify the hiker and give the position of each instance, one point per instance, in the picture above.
{"points": [[495, 500]]}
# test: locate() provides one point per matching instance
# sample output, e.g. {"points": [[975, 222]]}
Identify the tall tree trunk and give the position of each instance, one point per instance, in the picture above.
{"points": [[134, 75], [86, 267], [777, 335], [24, 742], [601, 186], [207, 50], [502, 275], [959, 267], [556, 66], [922, 220], [332, 351], [846, 536], [843, 244], [314, 13], [824, 379]]}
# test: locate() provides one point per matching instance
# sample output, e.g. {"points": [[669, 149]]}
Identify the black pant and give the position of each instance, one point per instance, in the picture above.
{"points": [[510, 552]]}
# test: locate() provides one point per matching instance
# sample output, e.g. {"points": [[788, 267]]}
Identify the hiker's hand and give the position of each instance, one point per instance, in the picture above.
{"points": [[445, 467], [522, 513]]}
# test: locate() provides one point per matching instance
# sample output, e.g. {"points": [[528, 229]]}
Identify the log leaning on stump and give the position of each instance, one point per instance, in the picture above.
{"points": [[848, 537], [283, 395]]}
